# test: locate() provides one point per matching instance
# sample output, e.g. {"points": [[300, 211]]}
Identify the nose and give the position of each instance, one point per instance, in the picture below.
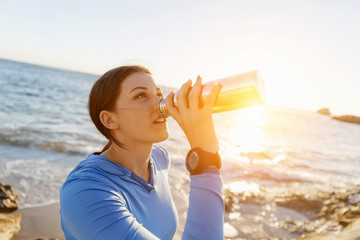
{"points": [[155, 106]]}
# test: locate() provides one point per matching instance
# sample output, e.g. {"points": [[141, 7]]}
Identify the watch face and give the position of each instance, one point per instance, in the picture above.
{"points": [[193, 160]]}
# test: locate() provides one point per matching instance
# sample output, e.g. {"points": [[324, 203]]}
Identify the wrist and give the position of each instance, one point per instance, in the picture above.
{"points": [[207, 143], [197, 160]]}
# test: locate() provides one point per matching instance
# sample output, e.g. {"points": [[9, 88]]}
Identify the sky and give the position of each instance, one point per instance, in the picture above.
{"points": [[308, 51]]}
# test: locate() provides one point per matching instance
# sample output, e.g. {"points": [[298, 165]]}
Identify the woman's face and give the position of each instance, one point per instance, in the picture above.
{"points": [[136, 111]]}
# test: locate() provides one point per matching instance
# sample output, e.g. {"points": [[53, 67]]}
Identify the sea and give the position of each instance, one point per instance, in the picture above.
{"points": [[281, 166]]}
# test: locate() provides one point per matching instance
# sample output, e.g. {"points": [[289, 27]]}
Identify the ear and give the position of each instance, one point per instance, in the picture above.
{"points": [[108, 119]]}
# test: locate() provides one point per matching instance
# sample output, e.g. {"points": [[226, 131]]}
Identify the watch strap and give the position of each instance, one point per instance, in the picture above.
{"points": [[206, 160]]}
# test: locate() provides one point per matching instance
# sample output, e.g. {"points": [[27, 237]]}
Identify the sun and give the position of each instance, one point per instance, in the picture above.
{"points": [[248, 129], [242, 132], [253, 116]]}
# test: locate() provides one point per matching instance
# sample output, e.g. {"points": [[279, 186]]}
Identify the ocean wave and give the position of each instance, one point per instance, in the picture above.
{"points": [[269, 174], [43, 204], [56, 141], [58, 146], [35, 181], [263, 173]]}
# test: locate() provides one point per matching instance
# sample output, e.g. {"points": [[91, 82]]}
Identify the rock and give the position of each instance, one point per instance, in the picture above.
{"points": [[347, 118], [324, 111], [228, 200], [9, 225], [351, 232], [8, 200], [230, 231], [300, 203]]}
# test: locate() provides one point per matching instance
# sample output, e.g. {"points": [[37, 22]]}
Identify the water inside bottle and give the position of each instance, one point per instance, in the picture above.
{"points": [[237, 98], [238, 91]]}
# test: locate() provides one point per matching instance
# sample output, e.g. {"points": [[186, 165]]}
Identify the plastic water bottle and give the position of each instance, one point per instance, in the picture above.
{"points": [[237, 92]]}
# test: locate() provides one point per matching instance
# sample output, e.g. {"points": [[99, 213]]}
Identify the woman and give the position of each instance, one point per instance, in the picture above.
{"points": [[122, 192]]}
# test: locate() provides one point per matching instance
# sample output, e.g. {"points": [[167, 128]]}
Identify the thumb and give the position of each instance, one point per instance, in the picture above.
{"points": [[170, 108]]}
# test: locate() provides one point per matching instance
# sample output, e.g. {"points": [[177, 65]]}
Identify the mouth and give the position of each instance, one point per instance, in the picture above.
{"points": [[160, 120]]}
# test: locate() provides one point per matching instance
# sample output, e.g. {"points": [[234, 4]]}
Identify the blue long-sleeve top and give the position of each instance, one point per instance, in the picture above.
{"points": [[101, 199]]}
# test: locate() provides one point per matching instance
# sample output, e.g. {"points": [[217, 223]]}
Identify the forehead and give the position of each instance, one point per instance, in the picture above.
{"points": [[138, 79]]}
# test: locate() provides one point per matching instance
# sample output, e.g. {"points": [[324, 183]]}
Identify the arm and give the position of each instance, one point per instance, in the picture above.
{"points": [[104, 215], [205, 217]]}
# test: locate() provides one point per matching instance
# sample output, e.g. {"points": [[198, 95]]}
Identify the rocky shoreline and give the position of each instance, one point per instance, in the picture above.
{"points": [[313, 211], [343, 118], [9, 222]]}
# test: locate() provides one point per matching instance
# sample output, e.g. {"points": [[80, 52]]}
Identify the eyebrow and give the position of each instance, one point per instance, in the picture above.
{"points": [[145, 88]]}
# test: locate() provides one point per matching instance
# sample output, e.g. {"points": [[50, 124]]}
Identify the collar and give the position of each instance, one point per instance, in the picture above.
{"points": [[105, 164]]}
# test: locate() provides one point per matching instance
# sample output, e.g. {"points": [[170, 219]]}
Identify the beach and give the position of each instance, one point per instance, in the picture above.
{"points": [[287, 173], [44, 222], [40, 222]]}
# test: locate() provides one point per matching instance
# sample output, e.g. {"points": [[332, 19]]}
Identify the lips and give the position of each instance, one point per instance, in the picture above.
{"points": [[160, 120]]}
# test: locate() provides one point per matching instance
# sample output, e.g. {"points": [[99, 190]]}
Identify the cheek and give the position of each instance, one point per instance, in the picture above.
{"points": [[140, 126], [134, 121]]}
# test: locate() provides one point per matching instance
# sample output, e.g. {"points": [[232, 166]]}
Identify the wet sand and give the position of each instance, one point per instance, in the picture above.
{"points": [[40, 222]]}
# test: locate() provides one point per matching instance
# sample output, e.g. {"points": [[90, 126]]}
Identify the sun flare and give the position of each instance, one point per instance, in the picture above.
{"points": [[247, 129], [243, 187], [244, 129], [253, 116]]}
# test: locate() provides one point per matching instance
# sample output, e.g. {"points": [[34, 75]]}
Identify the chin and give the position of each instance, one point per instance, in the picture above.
{"points": [[162, 137]]}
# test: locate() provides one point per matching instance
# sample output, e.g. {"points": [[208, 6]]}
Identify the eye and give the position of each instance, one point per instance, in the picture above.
{"points": [[140, 95]]}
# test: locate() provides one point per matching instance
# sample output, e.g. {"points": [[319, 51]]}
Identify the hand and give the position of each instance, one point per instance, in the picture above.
{"points": [[195, 119]]}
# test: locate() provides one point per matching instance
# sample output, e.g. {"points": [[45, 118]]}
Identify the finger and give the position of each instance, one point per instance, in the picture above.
{"points": [[171, 109], [181, 98], [194, 95], [213, 95]]}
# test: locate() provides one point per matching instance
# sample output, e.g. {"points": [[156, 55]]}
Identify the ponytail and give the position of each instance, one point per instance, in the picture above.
{"points": [[107, 146]]}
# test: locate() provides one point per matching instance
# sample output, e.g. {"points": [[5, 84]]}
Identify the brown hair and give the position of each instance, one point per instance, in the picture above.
{"points": [[103, 96]]}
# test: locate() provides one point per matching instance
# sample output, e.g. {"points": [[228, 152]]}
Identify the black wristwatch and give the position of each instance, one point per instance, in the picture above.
{"points": [[197, 160]]}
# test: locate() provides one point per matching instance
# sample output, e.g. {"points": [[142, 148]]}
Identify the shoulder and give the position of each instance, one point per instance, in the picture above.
{"points": [[95, 172], [161, 156]]}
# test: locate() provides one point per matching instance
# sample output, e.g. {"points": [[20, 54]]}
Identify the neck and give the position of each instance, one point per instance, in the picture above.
{"points": [[135, 158]]}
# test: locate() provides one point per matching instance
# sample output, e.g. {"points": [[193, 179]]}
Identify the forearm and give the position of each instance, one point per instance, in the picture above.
{"points": [[205, 218]]}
